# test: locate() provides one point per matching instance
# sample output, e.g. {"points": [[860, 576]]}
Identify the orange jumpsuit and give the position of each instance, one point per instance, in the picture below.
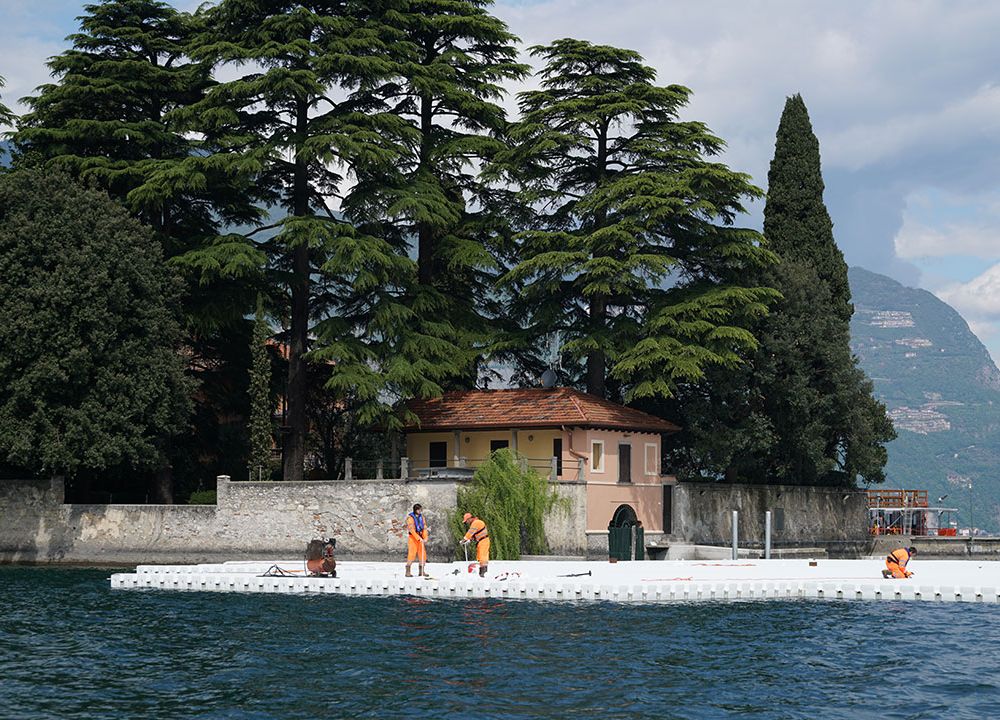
{"points": [[480, 535], [415, 550], [896, 563]]}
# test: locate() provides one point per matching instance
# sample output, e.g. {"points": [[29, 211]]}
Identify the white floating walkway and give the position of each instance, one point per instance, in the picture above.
{"points": [[643, 582]]}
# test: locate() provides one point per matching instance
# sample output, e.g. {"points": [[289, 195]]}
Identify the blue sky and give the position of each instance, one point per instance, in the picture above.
{"points": [[904, 97]]}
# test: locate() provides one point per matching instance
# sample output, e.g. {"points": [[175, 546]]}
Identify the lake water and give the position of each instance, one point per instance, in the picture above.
{"points": [[70, 647]]}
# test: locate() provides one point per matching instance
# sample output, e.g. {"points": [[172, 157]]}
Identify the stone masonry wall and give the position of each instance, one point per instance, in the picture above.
{"points": [[251, 520], [263, 520], [811, 516]]}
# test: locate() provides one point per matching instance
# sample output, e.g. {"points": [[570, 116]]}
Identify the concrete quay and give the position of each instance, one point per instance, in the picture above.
{"points": [[631, 582]]}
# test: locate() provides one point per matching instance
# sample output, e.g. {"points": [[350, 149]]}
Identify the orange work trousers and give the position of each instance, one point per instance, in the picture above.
{"points": [[415, 550], [897, 570], [483, 551]]}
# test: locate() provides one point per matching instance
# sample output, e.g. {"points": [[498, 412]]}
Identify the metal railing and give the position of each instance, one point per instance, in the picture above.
{"points": [[349, 469]]}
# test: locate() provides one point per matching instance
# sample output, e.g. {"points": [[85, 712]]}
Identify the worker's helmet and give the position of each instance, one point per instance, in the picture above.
{"points": [[467, 517], [911, 550]]}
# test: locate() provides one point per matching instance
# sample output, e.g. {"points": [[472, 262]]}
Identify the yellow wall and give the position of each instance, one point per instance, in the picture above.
{"points": [[474, 446], [418, 447]]}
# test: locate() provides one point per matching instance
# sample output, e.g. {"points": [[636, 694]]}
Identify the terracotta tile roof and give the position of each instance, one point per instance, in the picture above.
{"points": [[529, 408]]}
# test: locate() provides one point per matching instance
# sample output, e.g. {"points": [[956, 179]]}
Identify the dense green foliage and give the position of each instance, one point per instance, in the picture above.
{"points": [[513, 500], [632, 234], [796, 222], [428, 328], [91, 375], [298, 122], [799, 411], [261, 403], [203, 497], [107, 119], [351, 163]]}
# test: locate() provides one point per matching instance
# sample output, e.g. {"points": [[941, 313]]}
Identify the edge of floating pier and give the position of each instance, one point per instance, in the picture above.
{"points": [[626, 582]]}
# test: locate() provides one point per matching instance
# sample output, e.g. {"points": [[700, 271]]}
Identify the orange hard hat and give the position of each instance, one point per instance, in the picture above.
{"points": [[466, 517]]}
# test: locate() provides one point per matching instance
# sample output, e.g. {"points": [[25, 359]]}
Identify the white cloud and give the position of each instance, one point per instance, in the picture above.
{"points": [[918, 240], [977, 300], [954, 125]]}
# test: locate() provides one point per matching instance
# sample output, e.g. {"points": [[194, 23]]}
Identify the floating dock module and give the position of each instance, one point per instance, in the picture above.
{"points": [[640, 582]]}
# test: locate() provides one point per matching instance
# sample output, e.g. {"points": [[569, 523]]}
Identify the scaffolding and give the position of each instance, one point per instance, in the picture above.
{"points": [[907, 512]]}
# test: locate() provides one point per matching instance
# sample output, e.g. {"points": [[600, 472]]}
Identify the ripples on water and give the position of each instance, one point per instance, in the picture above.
{"points": [[72, 648]]}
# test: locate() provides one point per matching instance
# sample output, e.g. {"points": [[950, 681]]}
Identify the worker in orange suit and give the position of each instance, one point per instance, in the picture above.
{"points": [[478, 534], [895, 563], [416, 540]]}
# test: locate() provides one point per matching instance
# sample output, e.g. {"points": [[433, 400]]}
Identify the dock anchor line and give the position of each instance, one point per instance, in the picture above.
{"points": [[632, 582]]}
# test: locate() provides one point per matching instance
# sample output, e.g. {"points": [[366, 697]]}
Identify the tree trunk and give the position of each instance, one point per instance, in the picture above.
{"points": [[595, 358], [425, 234], [596, 361], [295, 438], [163, 487]]}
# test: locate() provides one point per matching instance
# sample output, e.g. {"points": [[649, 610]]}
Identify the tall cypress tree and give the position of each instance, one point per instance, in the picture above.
{"points": [[298, 121], [798, 410], [261, 407], [826, 424], [796, 222], [633, 255]]}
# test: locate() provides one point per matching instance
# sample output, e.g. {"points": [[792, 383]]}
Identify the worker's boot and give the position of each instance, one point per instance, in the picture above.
{"points": [[887, 574], [482, 571], [408, 573], [423, 573]]}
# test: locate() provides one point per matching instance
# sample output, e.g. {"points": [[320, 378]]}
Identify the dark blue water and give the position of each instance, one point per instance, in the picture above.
{"points": [[70, 647]]}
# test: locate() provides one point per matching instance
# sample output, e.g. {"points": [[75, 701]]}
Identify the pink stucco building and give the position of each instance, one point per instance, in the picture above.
{"points": [[566, 434]]}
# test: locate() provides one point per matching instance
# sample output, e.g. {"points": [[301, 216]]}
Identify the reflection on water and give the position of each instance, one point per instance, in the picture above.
{"points": [[72, 648]]}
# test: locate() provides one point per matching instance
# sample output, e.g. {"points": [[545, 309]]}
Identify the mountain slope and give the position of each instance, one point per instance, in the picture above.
{"points": [[942, 390]]}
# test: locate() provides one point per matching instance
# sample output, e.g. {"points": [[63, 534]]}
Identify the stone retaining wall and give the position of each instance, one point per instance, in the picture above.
{"points": [[276, 519], [251, 520], [835, 519]]}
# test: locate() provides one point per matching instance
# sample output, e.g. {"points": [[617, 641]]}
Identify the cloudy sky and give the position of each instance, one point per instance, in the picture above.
{"points": [[904, 96]]}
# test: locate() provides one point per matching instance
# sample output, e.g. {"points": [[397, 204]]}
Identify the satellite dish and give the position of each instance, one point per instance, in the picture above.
{"points": [[549, 378]]}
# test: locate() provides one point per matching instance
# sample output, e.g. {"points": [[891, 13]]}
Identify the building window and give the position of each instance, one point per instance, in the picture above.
{"points": [[438, 454], [498, 445], [651, 459], [557, 454], [597, 455]]}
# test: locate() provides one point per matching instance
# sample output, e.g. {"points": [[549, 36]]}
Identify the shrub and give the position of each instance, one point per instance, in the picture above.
{"points": [[513, 500], [202, 497]]}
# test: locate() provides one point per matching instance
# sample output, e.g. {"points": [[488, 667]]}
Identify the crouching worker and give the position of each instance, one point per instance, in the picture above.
{"points": [[480, 535], [895, 563], [416, 540], [320, 560]]}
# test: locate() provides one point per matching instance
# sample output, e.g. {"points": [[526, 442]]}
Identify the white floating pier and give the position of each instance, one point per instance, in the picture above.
{"points": [[641, 582]]}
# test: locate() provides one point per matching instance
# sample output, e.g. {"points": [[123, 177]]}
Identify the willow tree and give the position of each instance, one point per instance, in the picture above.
{"points": [[632, 252], [297, 121]]}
